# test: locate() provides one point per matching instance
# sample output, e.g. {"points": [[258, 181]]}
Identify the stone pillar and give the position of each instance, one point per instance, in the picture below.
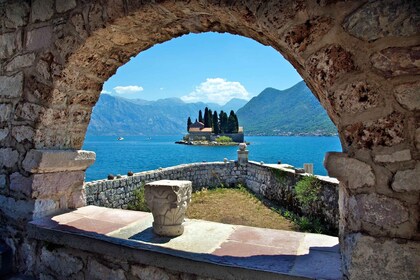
{"points": [[168, 200], [309, 168], [379, 215], [242, 154], [57, 179]]}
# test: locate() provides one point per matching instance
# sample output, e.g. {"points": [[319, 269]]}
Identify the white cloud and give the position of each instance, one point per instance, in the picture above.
{"points": [[105, 91], [127, 89], [216, 90]]}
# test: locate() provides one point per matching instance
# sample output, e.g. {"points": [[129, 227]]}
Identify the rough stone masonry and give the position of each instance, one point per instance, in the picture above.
{"points": [[360, 59]]}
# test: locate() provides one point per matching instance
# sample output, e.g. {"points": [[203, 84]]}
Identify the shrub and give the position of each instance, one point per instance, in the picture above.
{"points": [[223, 139], [139, 201], [307, 191]]}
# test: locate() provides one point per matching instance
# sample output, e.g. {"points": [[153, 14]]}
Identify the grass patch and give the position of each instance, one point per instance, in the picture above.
{"points": [[235, 206]]}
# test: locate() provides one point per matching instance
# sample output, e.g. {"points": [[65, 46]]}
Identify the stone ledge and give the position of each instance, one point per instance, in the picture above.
{"points": [[46, 161], [149, 255]]}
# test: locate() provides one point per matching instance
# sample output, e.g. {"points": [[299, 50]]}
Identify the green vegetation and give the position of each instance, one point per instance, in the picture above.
{"points": [[307, 191], [139, 202], [189, 123], [224, 139], [219, 123]]}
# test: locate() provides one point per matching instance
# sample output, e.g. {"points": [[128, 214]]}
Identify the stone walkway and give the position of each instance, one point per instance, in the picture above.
{"points": [[289, 253]]}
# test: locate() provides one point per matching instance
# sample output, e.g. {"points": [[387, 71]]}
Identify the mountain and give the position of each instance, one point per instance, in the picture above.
{"points": [[234, 104], [120, 116], [294, 111]]}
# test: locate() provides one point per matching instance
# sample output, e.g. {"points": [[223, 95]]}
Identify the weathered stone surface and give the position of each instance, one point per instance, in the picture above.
{"points": [[8, 157], [42, 10], [79, 25], [21, 61], [16, 209], [380, 258], [407, 180], [21, 133], [379, 19], [2, 182], [326, 65], [16, 14], [43, 68], [45, 207], [64, 5], [54, 185], [386, 131], [61, 263], [381, 210], [149, 272], [393, 62], [8, 44], [418, 139], [11, 87], [20, 183], [28, 111], [39, 38], [302, 35], [44, 161], [408, 95], [5, 111], [357, 173], [3, 133], [97, 271], [355, 97], [397, 156]]}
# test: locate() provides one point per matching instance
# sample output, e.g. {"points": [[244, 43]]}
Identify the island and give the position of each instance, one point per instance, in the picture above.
{"points": [[213, 129]]}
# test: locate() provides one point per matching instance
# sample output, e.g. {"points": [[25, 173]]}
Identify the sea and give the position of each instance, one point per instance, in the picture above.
{"points": [[142, 153]]}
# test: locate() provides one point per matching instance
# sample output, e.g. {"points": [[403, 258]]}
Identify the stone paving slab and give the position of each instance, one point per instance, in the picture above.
{"points": [[313, 256]]}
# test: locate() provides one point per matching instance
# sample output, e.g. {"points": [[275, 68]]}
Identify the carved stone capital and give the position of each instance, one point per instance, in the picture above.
{"points": [[168, 201]]}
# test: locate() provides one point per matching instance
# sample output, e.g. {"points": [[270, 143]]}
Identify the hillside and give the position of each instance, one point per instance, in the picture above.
{"points": [[120, 117], [294, 111]]}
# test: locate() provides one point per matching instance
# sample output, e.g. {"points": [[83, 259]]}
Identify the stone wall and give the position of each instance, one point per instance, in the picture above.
{"points": [[273, 182]]}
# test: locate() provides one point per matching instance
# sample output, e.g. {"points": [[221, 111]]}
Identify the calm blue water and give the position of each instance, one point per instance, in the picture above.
{"points": [[139, 153]]}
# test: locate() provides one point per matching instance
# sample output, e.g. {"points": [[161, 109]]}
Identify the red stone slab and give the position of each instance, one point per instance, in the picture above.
{"points": [[90, 210], [119, 216], [282, 239], [91, 225], [240, 249]]}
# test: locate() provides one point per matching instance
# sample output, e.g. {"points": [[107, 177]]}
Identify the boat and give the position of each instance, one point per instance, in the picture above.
{"points": [[120, 138]]}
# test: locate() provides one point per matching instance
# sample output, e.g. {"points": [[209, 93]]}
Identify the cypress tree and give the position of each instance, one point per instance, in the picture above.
{"points": [[223, 122], [189, 123], [215, 122], [200, 116], [206, 117], [210, 118], [236, 123]]}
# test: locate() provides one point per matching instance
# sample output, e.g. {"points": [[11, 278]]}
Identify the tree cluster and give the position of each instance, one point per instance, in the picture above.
{"points": [[220, 123]]}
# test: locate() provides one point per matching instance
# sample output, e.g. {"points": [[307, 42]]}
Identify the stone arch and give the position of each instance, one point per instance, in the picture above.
{"points": [[360, 59]]}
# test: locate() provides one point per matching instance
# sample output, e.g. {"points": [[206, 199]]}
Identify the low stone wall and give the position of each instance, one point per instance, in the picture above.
{"points": [[274, 182]]}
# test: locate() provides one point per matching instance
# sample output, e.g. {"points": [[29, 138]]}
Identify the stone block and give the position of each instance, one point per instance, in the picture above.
{"points": [[397, 156], [16, 209], [11, 87], [379, 258], [378, 19], [39, 38], [42, 10], [5, 112], [20, 183], [96, 271], [381, 210], [54, 185], [61, 263], [45, 207], [8, 44], [64, 5], [16, 14], [408, 95], [149, 272], [21, 61], [21, 133], [407, 180], [45, 161], [8, 157], [28, 111], [2, 182], [392, 62], [356, 173], [168, 201], [3, 133]]}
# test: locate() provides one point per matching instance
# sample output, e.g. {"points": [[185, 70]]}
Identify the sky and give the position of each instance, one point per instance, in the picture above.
{"points": [[206, 67]]}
